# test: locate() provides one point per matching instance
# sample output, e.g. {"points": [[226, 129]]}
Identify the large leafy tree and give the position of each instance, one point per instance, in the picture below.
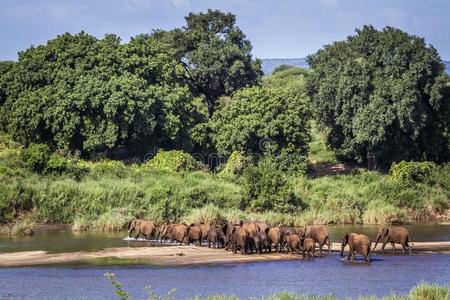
{"points": [[80, 93], [216, 55], [382, 96], [271, 122]]}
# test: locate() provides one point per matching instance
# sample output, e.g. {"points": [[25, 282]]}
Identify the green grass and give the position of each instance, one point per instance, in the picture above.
{"points": [[106, 195], [318, 150]]}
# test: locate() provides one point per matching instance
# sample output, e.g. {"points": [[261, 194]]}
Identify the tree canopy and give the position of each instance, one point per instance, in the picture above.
{"points": [[81, 93], [265, 122], [382, 96], [216, 55]]}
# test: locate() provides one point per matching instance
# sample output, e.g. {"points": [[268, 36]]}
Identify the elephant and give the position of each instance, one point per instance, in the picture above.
{"points": [[194, 234], [359, 243], [216, 237], [205, 227], [177, 232], [134, 226], [227, 229], [239, 237], [308, 246], [262, 226], [163, 231], [293, 243], [275, 236], [251, 227], [319, 234], [394, 234], [261, 242], [288, 230], [146, 228]]}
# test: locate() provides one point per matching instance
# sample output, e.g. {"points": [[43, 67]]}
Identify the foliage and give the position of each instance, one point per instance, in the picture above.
{"points": [[80, 93], [174, 160], [267, 122], [282, 68], [235, 165], [382, 95], [36, 156], [319, 152], [216, 55], [292, 77], [56, 164], [266, 188], [120, 292], [411, 172], [430, 291]]}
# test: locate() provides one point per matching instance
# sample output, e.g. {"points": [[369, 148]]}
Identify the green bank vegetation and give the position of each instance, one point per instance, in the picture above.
{"points": [[182, 125], [423, 291]]}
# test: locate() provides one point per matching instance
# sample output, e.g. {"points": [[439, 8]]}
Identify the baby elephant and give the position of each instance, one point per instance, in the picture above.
{"points": [[308, 246], [292, 243], [357, 243]]}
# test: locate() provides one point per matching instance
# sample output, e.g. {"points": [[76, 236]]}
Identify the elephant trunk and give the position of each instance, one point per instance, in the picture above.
{"points": [[342, 249], [376, 242]]}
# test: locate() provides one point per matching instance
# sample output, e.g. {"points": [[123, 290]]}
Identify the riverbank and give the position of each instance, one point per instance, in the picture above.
{"points": [[174, 255]]}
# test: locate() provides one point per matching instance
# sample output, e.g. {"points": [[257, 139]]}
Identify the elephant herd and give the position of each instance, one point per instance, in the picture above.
{"points": [[257, 237]]}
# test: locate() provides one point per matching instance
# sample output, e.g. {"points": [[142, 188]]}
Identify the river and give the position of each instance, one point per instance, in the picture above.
{"points": [[324, 275]]}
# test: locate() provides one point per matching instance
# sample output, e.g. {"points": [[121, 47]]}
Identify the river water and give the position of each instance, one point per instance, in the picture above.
{"points": [[324, 275]]}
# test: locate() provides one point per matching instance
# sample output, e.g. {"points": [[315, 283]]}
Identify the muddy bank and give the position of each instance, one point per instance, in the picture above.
{"points": [[172, 256]]}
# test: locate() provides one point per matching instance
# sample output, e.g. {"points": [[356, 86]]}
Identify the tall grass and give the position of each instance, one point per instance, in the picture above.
{"points": [[109, 194]]}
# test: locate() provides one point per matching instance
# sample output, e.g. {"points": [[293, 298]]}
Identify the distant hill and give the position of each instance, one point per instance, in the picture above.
{"points": [[269, 64]]}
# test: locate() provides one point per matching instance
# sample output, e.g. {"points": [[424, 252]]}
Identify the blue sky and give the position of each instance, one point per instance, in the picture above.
{"points": [[283, 28]]}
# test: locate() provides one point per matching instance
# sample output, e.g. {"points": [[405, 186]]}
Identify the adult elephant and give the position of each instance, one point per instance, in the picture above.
{"points": [[177, 232], [261, 225], [216, 237], [142, 227], [163, 231], [293, 243], [319, 234], [227, 229], [205, 227], [393, 235], [194, 234], [359, 243], [240, 238], [274, 236]]}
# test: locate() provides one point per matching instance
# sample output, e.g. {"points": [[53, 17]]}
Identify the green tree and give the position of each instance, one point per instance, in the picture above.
{"points": [[381, 94], [216, 55], [265, 122], [81, 93]]}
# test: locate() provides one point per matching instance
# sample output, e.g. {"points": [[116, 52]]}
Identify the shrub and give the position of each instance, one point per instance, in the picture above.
{"points": [[36, 156], [411, 172], [174, 160], [235, 164], [430, 292], [267, 188], [56, 164], [380, 212]]}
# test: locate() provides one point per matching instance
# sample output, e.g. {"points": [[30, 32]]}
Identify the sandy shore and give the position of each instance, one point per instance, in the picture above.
{"points": [[172, 255]]}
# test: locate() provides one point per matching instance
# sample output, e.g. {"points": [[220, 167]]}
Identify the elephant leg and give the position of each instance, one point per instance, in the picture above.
{"points": [[320, 247], [393, 247], [384, 245], [404, 248], [329, 245], [367, 258]]}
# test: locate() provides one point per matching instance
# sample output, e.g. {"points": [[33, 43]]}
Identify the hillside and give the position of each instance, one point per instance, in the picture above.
{"points": [[269, 64]]}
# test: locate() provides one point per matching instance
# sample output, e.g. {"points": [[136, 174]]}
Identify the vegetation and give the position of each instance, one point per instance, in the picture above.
{"points": [[423, 291], [95, 132], [382, 95], [265, 122]]}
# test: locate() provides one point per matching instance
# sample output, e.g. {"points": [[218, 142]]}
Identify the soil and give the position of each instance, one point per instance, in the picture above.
{"points": [[175, 256]]}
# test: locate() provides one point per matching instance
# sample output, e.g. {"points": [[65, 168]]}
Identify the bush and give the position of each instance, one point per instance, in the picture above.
{"points": [[235, 164], [174, 160], [36, 156], [412, 172], [267, 188], [428, 291], [56, 164]]}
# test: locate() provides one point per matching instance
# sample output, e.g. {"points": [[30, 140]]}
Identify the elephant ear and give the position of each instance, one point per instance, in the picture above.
{"points": [[224, 228], [192, 225], [267, 230], [240, 223]]}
